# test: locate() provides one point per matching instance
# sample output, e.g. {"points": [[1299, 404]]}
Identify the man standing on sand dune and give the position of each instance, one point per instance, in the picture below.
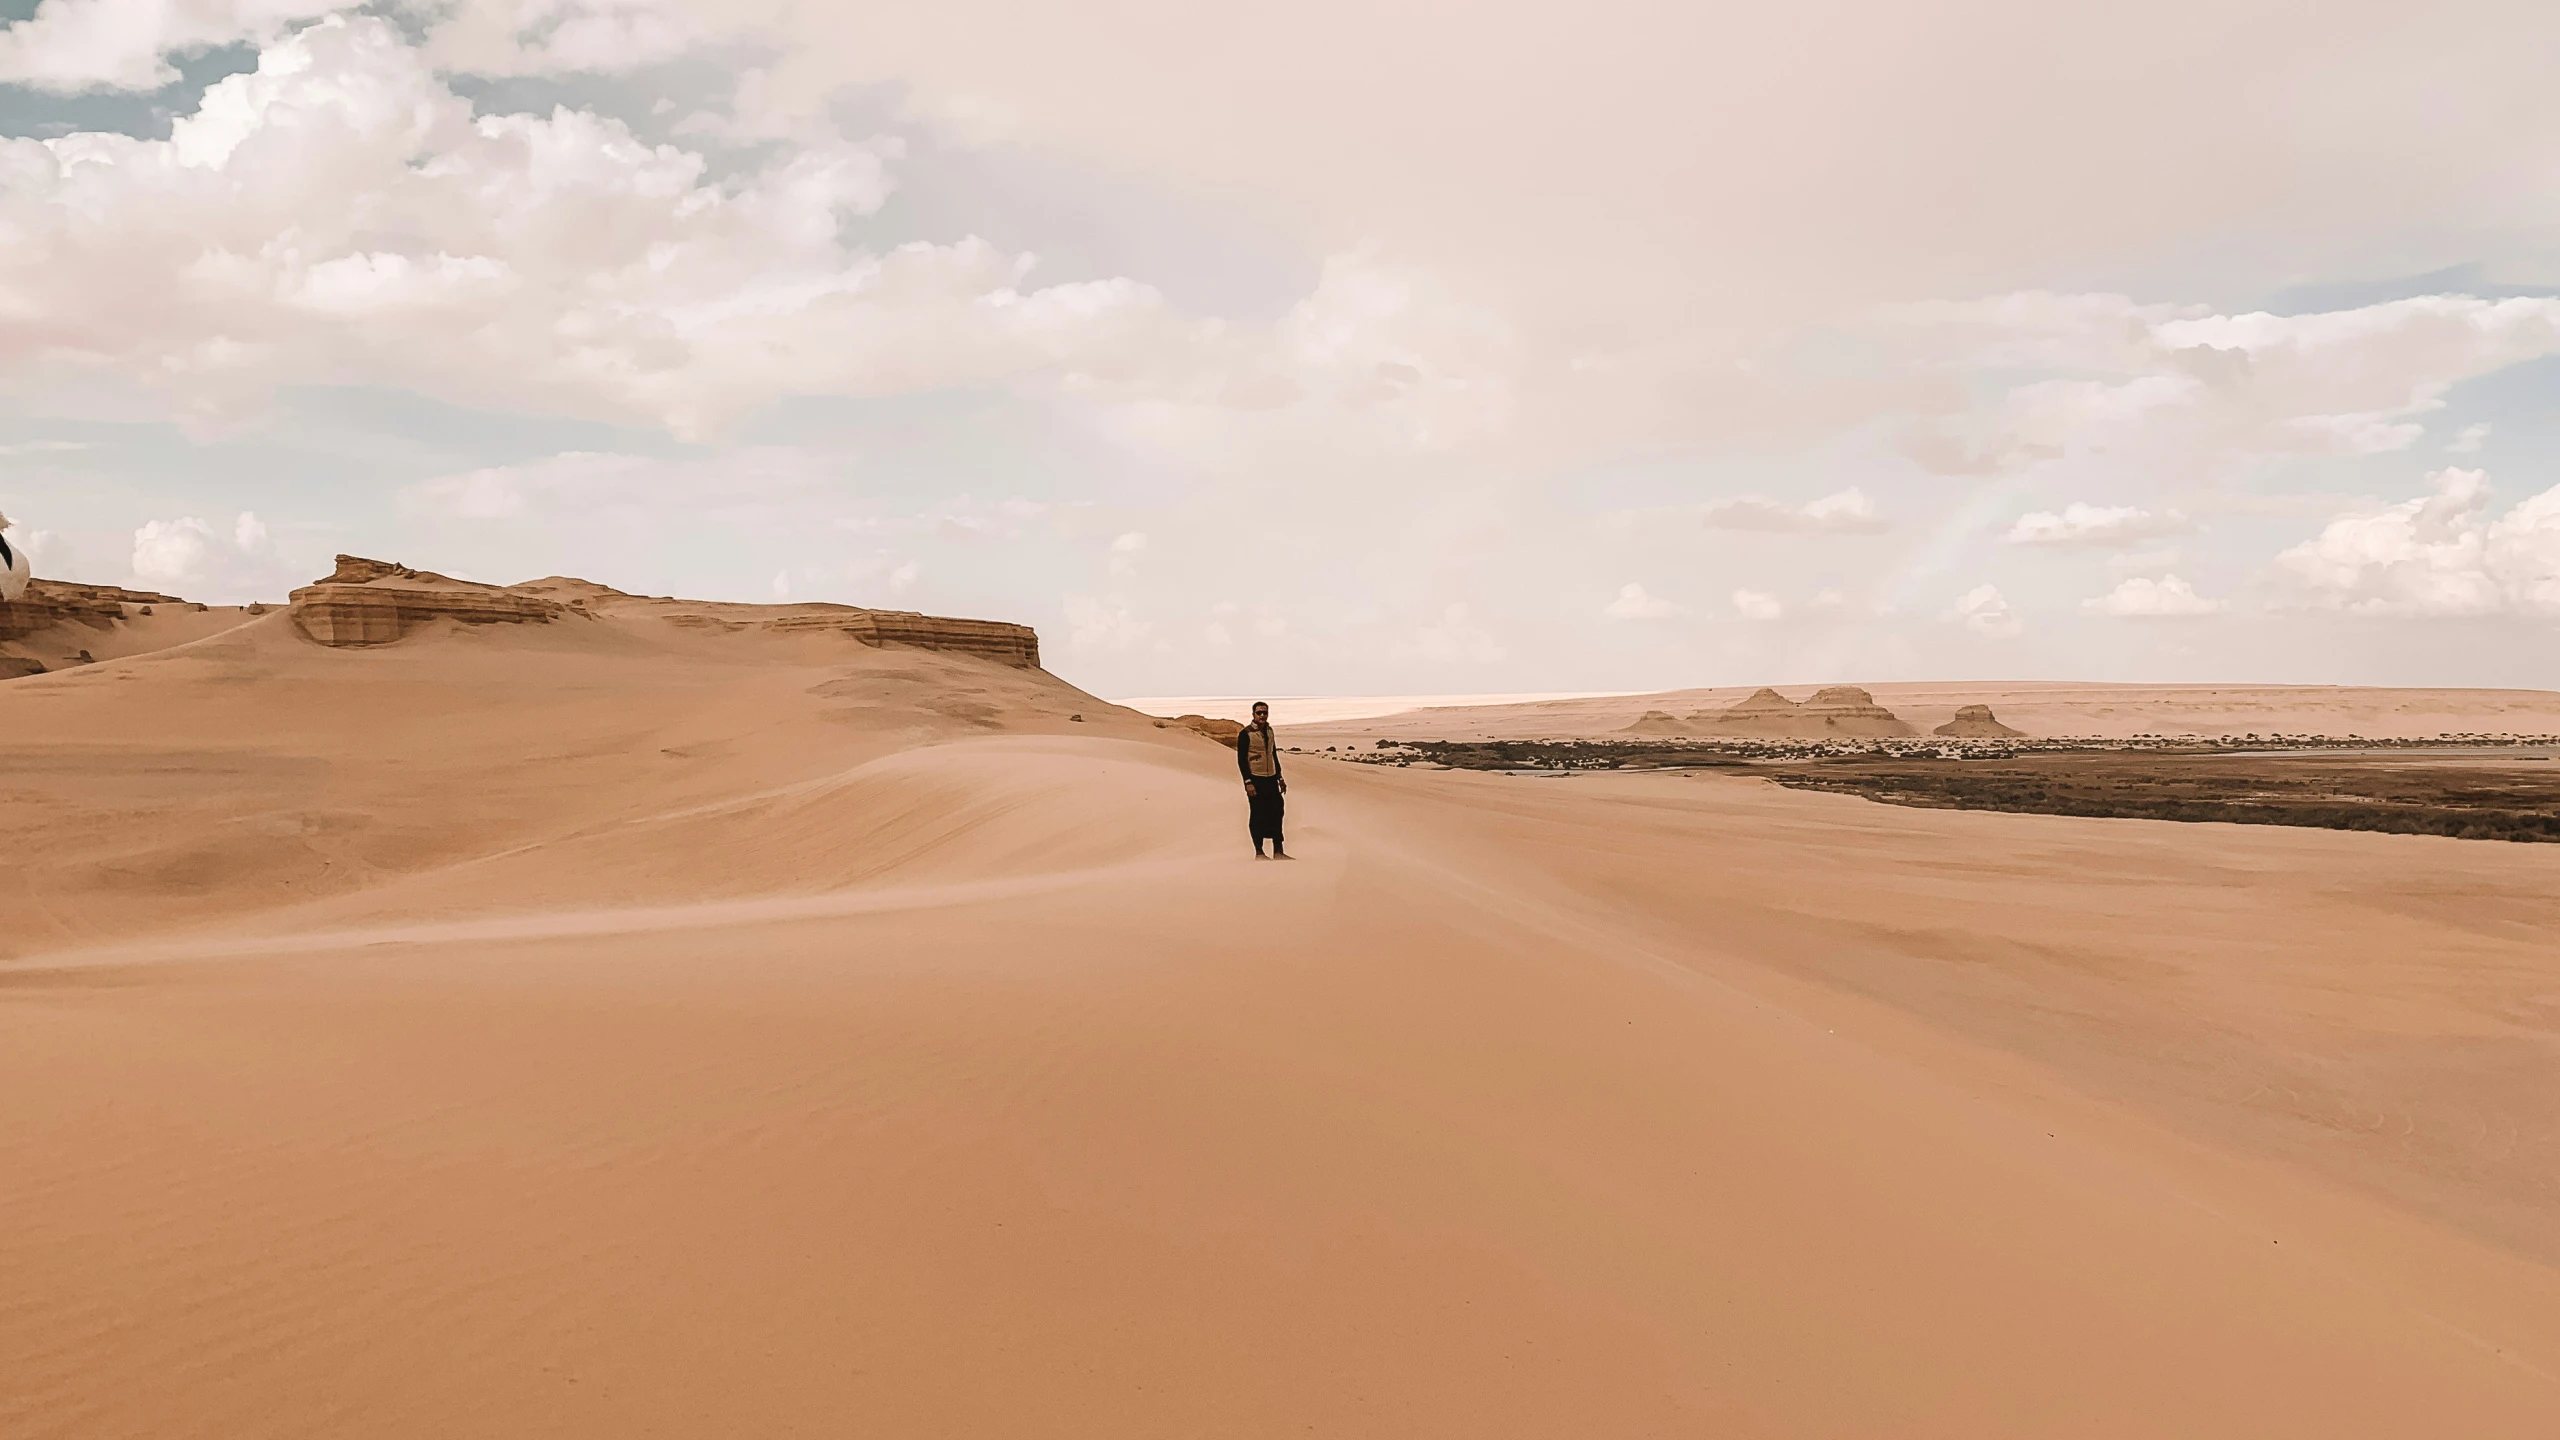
{"points": [[1258, 757]]}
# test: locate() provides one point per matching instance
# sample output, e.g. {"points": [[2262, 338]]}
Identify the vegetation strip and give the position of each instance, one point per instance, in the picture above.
{"points": [[2466, 789]]}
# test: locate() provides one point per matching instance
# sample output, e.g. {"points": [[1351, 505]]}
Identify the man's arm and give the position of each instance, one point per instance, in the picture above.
{"points": [[1244, 753]]}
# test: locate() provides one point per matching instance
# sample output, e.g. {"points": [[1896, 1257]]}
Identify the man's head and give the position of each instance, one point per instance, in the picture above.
{"points": [[1261, 713]]}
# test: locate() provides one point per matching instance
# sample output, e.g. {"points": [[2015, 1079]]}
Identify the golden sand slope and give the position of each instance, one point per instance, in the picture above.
{"points": [[600, 761], [494, 1035]]}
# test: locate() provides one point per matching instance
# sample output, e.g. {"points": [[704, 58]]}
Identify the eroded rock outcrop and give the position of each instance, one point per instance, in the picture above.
{"points": [[1837, 712], [1222, 731], [1848, 710], [997, 640], [374, 602], [60, 602], [1976, 722]]}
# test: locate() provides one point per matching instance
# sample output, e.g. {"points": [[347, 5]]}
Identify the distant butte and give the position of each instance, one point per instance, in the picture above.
{"points": [[1835, 712], [1659, 723], [1976, 722]]}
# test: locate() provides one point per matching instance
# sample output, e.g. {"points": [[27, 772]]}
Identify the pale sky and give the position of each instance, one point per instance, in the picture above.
{"points": [[1327, 347]]}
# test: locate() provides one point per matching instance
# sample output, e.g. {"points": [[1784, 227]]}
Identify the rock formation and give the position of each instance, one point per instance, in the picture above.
{"points": [[997, 640], [1848, 710], [1222, 731], [59, 602], [1976, 722], [372, 602], [1658, 724], [1838, 712]]}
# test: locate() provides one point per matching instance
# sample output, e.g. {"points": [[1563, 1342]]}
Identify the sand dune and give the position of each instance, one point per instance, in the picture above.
{"points": [[638, 1027]]}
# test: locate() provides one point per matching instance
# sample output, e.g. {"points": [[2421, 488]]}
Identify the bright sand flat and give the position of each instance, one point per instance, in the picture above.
{"points": [[610, 1032]]}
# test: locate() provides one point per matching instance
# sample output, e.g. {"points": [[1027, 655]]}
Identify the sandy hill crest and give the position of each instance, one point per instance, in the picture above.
{"points": [[374, 602], [396, 738]]}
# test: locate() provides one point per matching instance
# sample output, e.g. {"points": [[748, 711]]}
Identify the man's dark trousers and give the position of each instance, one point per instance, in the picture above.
{"points": [[1266, 804]]}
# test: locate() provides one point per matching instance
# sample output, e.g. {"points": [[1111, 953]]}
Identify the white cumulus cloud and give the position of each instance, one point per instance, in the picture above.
{"points": [[1094, 624], [509, 492], [2439, 555], [193, 558], [340, 214], [2157, 387], [530, 37], [2166, 598], [1848, 512], [1758, 605], [49, 553], [2084, 524], [71, 45], [1985, 611], [1458, 636], [1634, 604]]}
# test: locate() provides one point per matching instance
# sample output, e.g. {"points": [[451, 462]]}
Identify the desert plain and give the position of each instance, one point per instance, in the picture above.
{"points": [[632, 1016]]}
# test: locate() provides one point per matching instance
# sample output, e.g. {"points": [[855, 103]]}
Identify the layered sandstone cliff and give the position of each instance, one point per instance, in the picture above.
{"points": [[997, 640], [372, 602]]}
